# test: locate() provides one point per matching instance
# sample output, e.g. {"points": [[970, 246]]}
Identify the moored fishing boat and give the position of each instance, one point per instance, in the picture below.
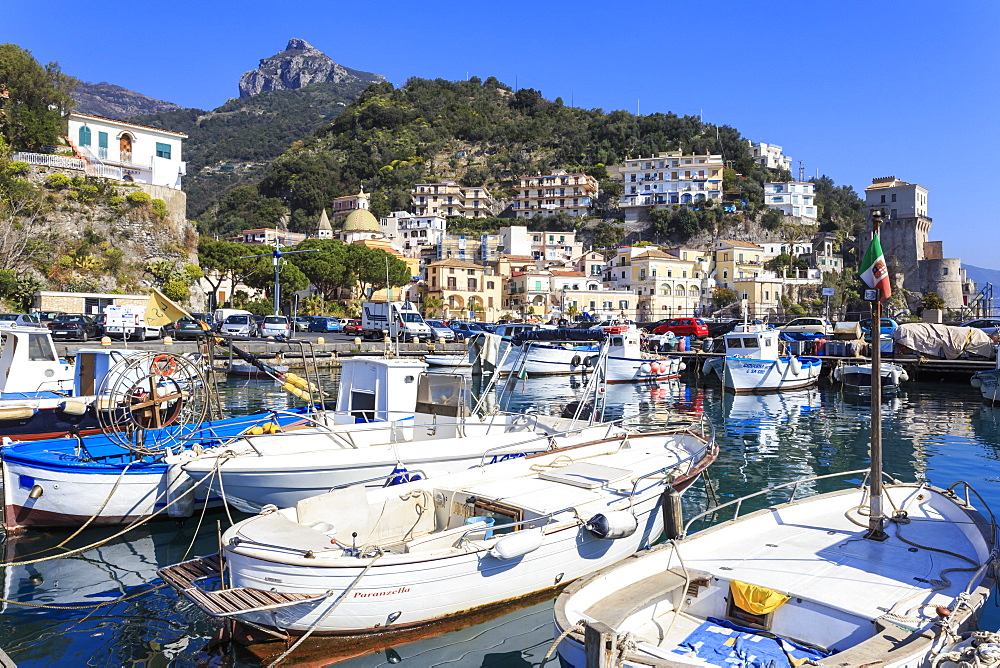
{"points": [[753, 363], [858, 377], [449, 361], [357, 560], [988, 382], [564, 351]]}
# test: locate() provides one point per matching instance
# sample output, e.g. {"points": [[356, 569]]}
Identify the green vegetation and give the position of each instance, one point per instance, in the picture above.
{"points": [[37, 96]]}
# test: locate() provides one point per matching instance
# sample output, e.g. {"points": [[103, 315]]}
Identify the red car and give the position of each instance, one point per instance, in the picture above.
{"points": [[695, 327], [353, 327]]}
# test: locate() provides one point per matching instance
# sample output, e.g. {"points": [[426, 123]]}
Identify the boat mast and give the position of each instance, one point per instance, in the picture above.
{"points": [[876, 518]]}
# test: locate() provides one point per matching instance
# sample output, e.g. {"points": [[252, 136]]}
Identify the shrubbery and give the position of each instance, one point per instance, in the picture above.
{"points": [[57, 181], [138, 197]]}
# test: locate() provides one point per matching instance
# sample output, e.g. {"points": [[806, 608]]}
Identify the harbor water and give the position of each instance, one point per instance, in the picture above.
{"points": [[51, 611]]}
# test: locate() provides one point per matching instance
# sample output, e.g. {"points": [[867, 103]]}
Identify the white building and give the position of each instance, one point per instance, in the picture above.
{"points": [[669, 178], [773, 249], [770, 156], [793, 198], [410, 232], [127, 151], [896, 198]]}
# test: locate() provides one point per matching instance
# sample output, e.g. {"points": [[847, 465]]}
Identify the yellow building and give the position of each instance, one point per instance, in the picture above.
{"points": [[552, 193], [448, 199], [736, 260], [666, 286], [463, 287], [763, 295]]}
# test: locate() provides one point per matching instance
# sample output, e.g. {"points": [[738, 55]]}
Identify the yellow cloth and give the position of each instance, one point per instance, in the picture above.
{"points": [[754, 598], [161, 311]]}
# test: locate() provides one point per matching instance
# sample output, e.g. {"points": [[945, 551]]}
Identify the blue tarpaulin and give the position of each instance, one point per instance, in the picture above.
{"points": [[800, 336], [722, 643]]}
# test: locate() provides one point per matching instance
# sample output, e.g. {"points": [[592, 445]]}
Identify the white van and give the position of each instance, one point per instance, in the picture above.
{"points": [[221, 314], [128, 322]]}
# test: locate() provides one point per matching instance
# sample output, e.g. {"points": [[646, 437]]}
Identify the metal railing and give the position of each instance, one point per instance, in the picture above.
{"points": [[793, 484], [44, 160]]}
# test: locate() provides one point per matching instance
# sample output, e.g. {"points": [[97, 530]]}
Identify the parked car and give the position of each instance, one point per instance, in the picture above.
{"points": [[320, 324], [888, 327], [276, 325], [45, 317], [187, 328], [464, 330], [240, 325], [8, 320], [79, 327], [441, 330], [988, 325], [301, 323], [353, 326], [695, 327], [808, 326]]}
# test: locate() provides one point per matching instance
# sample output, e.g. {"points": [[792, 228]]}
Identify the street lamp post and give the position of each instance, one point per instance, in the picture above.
{"points": [[275, 256]]}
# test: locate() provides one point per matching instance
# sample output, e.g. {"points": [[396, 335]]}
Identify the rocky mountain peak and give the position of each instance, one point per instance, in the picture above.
{"points": [[300, 64]]}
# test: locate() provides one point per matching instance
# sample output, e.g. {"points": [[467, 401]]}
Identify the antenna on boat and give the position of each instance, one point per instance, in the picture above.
{"points": [[877, 268]]}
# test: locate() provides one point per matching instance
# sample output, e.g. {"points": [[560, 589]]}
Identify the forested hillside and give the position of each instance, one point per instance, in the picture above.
{"points": [[480, 132], [247, 130]]}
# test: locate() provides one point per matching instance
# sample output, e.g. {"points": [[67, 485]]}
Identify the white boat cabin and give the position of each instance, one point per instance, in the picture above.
{"points": [[385, 389], [752, 341], [29, 363]]}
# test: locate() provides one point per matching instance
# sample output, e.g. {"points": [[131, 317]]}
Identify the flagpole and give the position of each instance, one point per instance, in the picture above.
{"points": [[876, 517]]}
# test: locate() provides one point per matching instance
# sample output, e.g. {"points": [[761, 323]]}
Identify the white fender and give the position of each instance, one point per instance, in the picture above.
{"points": [[903, 375], [976, 381], [681, 366], [894, 376], [613, 524], [795, 366], [707, 366], [178, 483], [645, 368], [518, 544], [838, 374]]}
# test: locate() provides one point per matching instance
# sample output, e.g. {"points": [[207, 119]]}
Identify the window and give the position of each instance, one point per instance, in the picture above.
{"points": [[894, 197], [883, 199], [489, 286], [84, 135], [163, 150], [102, 140]]}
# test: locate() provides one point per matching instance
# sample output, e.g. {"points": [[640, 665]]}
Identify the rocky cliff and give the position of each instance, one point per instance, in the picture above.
{"points": [[110, 101], [300, 64]]}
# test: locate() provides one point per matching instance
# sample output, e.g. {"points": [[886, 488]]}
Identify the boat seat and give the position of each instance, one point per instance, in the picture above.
{"points": [[614, 610], [442, 539]]}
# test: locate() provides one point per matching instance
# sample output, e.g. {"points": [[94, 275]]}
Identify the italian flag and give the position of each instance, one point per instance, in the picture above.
{"points": [[873, 270]]}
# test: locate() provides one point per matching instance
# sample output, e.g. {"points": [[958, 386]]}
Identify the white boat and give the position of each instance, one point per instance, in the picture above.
{"points": [[858, 377], [802, 571], [449, 361], [357, 560], [247, 370], [544, 352], [753, 363], [393, 422], [988, 382]]}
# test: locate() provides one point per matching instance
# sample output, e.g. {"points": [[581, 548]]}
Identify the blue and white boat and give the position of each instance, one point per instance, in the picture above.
{"points": [[988, 382], [753, 363]]}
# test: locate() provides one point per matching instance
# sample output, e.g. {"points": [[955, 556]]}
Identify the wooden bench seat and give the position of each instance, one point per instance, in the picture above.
{"points": [[613, 610]]}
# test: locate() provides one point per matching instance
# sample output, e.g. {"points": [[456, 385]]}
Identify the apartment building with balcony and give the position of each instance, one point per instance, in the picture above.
{"points": [[770, 156], [546, 195], [268, 235], [411, 233], [464, 287], [793, 198], [448, 199], [669, 178], [127, 151], [590, 263], [738, 260]]}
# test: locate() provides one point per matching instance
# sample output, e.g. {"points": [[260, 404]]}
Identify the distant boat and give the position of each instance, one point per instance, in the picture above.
{"points": [[451, 361], [858, 377], [988, 382], [247, 370], [753, 364]]}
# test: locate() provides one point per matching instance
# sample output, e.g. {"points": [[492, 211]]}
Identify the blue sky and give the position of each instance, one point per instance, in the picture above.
{"points": [[855, 90]]}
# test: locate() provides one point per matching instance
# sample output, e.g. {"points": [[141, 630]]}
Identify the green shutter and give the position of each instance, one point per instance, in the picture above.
{"points": [[84, 135], [162, 150], [102, 140]]}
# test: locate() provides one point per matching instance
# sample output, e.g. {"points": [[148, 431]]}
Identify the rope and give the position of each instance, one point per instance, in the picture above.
{"points": [[326, 614], [576, 628]]}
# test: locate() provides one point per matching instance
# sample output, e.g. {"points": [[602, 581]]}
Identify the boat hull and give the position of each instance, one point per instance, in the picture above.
{"points": [[425, 591], [989, 386], [739, 374], [545, 360]]}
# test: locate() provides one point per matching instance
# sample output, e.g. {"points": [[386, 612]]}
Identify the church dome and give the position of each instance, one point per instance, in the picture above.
{"points": [[362, 220]]}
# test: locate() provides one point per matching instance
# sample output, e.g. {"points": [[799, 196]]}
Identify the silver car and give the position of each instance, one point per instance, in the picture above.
{"points": [[276, 325], [441, 330], [239, 325], [8, 320]]}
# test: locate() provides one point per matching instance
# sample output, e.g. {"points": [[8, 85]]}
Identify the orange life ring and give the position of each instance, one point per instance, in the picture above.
{"points": [[163, 365]]}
